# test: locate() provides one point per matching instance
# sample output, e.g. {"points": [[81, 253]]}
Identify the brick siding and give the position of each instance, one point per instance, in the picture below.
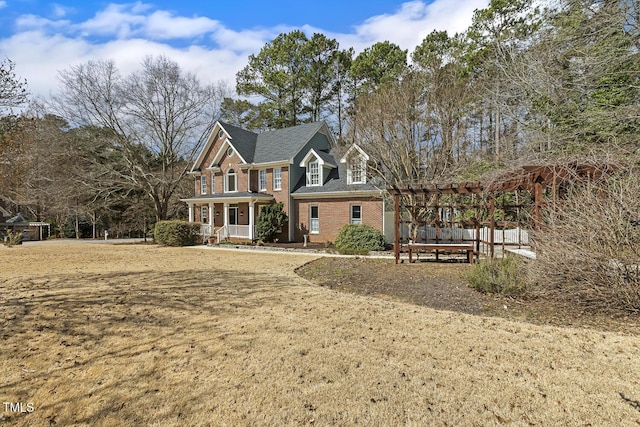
{"points": [[334, 214]]}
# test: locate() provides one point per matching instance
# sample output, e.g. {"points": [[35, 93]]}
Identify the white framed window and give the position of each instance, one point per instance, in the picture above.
{"points": [[213, 183], [229, 152], [314, 219], [230, 181], [356, 174], [277, 179], [313, 173], [204, 214], [220, 133], [203, 184], [356, 214], [262, 180]]}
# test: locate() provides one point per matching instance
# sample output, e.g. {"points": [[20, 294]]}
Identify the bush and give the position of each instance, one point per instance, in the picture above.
{"points": [[589, 250], [504, 276], [270, 221], [12, 238], [176, 233], [359, 239]]}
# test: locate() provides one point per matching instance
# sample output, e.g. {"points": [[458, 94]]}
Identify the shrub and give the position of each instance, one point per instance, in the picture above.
{"points": [[270, 221], [359, 239], [589, 250], [12, 238], [176, 233], [504, 276]]}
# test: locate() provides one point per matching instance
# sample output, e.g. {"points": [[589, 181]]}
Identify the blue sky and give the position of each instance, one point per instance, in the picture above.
{"points": [[210, 38]]}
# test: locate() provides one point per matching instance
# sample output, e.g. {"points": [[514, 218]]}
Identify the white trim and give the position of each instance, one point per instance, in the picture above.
{"points": [[270, 164], [213, 136], [351, 217], [262, 173], [317, 219], [357, 148], [223, 150], [203, 185], [273, 173], [226, 181], [305, 160], [317, 174]]}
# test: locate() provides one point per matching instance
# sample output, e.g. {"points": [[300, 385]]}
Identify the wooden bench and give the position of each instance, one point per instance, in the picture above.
{"points": [[452, 247]]}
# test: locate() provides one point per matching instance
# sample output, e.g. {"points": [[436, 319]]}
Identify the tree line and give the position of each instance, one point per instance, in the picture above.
{"points": [[525, 80]]}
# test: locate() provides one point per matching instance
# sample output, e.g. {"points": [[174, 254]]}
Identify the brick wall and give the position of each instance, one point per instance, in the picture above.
{"points": [[334, 214]]}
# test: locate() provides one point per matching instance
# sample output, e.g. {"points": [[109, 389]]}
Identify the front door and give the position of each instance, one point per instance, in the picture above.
{"points": [[233, 215]]}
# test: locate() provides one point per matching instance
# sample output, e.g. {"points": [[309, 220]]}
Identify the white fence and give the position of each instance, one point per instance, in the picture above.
{"points": [[509, 236]]}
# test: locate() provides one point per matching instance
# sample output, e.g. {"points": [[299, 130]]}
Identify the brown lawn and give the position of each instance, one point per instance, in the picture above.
{"points": [[114, 335]]}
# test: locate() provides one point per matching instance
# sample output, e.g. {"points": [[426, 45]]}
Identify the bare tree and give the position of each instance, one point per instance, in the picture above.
{"points": [[13, 90], [159, 116]]}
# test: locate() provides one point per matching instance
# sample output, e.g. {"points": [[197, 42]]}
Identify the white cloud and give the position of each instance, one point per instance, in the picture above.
{"points": [[163, 25], [127, 33], [408, 26], [3, 4]]}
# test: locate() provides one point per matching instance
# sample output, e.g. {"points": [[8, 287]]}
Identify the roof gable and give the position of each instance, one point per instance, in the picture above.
{"points": [[324, 159], [242, 141], [357, 149]]}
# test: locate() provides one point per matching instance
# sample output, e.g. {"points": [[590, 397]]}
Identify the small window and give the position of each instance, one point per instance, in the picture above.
{"points": [[204, 214], [230, 182], [314, 219], [203, 184], [262, 180], [220, 133], [277, 179], [313, 173], [229, 152], [356, 214]]}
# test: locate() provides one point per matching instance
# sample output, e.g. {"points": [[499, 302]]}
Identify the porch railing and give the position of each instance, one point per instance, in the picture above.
{"points": [[237, 231]]}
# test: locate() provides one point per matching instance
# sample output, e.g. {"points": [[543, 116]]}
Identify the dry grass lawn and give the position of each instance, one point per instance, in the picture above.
{"points": [[113, 335]]}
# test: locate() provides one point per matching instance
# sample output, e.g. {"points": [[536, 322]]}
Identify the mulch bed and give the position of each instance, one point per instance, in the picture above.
{"points": [[442, 286]]}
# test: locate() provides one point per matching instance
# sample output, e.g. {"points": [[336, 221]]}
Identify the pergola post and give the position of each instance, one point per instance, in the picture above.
{"points": [[537, 215], [492, 224]]}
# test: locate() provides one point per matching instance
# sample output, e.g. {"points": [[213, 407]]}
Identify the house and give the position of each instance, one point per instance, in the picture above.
{"points": [[237, 172], [31, 230]]}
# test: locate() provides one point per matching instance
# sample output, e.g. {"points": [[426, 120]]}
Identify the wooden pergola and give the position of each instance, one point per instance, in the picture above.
{"points": [[544, 184]]}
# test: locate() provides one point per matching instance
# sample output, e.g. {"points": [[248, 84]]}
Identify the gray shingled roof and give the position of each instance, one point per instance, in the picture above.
{"points": [[243, 140], [335, 182], [326, 157], [283, 144]]}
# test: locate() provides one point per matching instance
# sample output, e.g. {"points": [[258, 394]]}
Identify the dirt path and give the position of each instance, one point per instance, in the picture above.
{"points": [[107, 335]]}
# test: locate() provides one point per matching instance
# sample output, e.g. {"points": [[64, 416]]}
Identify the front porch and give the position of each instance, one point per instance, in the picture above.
{"points": [[227, 217]]}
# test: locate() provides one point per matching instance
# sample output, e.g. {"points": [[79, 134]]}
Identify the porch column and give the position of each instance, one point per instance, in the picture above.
{"points": [[211, 214], [251, 209], [190, 212], [226, 214]]}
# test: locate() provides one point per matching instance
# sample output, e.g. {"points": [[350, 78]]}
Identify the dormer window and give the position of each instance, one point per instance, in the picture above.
{"points": [[230, 182], [318, 165], [313, 173], [356, 170], [229, 152], [356, 161]]}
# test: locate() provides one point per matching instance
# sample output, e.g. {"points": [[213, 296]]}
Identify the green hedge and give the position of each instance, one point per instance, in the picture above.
{"points": [[176, 233], [359, 239]]}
